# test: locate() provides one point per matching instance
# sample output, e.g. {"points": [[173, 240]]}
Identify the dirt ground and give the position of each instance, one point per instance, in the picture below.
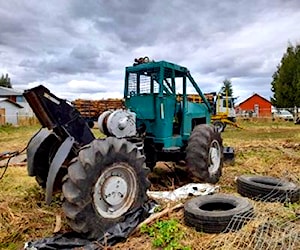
{"points": [[261, 148]]}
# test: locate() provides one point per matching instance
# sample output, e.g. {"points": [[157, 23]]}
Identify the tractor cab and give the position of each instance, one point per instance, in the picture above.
{"points": [[225, 107], [157, 93]]}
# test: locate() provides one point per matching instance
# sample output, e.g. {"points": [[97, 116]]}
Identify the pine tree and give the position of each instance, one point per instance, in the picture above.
{"points": [[227, 88]]}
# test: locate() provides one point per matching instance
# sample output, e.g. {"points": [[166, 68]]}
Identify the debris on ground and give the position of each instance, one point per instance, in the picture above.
{"points": [[14, 158], [118, 233], [191, 189]]}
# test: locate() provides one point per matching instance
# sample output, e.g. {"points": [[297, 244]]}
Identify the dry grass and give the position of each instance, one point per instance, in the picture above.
{"points": [[15, 138], [23, 213], [268, 148]]}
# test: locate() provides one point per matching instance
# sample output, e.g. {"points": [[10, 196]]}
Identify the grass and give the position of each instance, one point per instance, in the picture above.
{"points": [[23, 213], [15, 138], [265, 148]]}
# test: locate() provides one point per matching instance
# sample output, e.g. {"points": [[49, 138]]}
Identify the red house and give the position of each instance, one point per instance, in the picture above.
{"points": [[254, 106]]}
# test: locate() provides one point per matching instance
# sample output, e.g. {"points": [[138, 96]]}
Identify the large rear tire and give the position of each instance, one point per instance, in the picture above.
{"points": [[204, 153], [105, 181]]}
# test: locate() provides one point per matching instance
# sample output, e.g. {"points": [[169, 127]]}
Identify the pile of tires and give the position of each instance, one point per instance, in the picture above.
{"points": [[267, 188], [217, 213], [227, 213]]}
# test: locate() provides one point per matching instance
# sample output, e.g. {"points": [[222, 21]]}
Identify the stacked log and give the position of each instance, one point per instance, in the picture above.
{"points": [[196, 98], [93, 108]]}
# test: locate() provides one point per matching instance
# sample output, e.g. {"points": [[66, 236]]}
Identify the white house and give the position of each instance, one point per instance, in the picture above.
{"points": [[9, 111], [14, 104]]}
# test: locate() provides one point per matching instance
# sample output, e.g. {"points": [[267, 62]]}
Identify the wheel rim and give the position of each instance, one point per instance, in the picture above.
{"points": [[214, 157], [115, 190], [219, 126]]}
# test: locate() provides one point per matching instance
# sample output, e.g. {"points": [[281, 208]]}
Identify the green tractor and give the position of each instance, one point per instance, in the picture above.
{"points": [[103, 179], [167, 125]]}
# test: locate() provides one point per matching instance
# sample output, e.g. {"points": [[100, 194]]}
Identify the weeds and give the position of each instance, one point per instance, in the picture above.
{"points": [[294, 209], [166, 234]]}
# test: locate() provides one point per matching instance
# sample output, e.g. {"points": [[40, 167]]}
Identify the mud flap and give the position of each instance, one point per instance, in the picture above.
{"points": [[56, 163], [33, 146]]}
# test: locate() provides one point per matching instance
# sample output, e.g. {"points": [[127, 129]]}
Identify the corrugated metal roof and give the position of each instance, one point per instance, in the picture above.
{"points": [[14, 103], [9, 92]]}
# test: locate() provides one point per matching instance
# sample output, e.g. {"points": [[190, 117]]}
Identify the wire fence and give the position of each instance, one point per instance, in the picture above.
{"points": [[18, 120], [274, 226], [270, 112]]}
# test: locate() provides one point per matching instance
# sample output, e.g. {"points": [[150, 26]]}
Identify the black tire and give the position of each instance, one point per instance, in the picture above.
{"points": [[267, 188], [150, 153], [217, 213], [220, 126], [204, 153], [106, 180]]}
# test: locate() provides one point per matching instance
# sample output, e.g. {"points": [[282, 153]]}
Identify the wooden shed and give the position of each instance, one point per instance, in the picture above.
{"points": [[254, 106]]}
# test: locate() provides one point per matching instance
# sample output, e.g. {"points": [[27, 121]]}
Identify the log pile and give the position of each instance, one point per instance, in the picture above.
{"points": [[93, 108]]}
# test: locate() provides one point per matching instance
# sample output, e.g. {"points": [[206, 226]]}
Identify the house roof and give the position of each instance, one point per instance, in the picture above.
{"points": [[9, 92], [10, 101], [255, 94]]}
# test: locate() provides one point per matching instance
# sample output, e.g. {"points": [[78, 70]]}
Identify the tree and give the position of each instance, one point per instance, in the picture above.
{"points": [[286, 80], [5, 81], [227, 88]]}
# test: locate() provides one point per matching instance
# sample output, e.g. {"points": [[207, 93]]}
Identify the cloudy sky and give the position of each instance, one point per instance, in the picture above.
{"points": [[79, 49]]}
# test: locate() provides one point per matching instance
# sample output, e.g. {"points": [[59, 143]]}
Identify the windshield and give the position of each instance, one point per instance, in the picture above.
{"points": [[284, 112]]}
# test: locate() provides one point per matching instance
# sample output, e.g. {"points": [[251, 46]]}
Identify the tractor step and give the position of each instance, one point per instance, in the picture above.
{"points": [[171, 149]]}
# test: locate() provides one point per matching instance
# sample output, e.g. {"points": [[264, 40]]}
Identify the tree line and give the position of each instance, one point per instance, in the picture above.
{"points": [[5, 81]]}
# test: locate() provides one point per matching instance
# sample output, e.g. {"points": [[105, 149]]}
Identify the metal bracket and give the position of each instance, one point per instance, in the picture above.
{"points": [[56, 163]]}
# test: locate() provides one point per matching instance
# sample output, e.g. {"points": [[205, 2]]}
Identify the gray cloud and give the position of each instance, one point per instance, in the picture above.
{"points": [[60, 42]]}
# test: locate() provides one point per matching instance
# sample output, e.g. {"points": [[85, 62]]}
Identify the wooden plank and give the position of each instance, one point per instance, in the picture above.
{"points": [[2, 116]]}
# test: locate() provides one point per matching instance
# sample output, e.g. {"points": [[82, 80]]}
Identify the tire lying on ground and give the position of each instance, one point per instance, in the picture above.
{"points": [[204, 153], [106, 180], [267, 188], [217, 213]]}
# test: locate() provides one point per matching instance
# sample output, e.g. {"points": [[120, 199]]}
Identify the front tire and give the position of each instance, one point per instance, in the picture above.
{"points": [[204, 153], [105, 181]]}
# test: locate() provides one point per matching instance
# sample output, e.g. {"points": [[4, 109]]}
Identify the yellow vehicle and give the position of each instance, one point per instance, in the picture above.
{"points": [[223, 109]]}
